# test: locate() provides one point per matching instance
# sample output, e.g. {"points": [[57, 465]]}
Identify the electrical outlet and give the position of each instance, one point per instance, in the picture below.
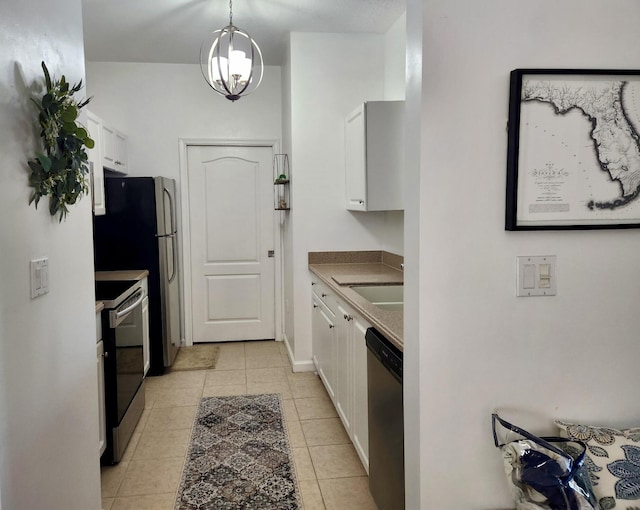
{"points": [[39, 277]]}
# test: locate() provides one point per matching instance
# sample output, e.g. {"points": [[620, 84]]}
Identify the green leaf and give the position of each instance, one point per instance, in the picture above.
{"points": [[54, 205], [45, 162], [34, 165], [82, 134], [69, 114], [47, 100], [57, 164], [69, 127], [47, 76], [37, 103], [89, 143]]}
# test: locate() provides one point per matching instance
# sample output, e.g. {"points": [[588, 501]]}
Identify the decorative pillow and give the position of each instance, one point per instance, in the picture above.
{"points": [[613, 462]]}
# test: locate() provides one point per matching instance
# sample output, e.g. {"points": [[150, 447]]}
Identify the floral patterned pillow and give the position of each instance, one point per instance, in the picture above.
{"points": [[613, 462]]}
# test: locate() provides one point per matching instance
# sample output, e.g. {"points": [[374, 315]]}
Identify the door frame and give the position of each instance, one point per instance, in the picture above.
{"points": [[185, 231]]}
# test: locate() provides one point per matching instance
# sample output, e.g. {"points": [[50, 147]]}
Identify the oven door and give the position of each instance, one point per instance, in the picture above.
{"points": [[125, 323]]}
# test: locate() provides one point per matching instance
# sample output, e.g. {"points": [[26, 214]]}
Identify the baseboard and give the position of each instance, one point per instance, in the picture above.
{"points": [[298, 366]]}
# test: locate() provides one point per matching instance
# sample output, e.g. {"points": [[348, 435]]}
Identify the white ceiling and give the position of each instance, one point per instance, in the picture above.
{"points": [[172, 31]]}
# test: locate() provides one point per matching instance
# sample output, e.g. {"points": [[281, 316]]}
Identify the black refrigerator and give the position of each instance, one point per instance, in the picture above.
{"points": [[139, 231]]}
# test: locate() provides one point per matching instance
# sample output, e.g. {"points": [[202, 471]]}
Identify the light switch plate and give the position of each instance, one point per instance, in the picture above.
{"points": [[531, 281], [39, 277]]}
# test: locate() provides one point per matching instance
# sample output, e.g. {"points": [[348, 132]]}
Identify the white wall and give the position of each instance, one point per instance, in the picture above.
{"points": [[395, 84], [573, 356], [48, 391], [413, 375], [157, 104], [395, 48], [287, 230], [324, 89]]}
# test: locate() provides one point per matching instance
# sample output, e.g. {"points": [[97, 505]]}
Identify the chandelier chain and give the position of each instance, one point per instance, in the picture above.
{"points": [[230, 12]]}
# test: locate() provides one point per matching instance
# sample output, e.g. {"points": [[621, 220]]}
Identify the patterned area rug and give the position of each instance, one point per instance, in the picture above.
{"points": [[239, 457], [196, 357]]}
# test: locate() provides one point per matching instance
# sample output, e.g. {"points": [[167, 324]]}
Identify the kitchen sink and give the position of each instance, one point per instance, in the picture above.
{"points": [[391, 307], [385, 297]]}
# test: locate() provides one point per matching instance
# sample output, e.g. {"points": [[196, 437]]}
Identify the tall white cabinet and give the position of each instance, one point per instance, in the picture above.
{"points": [[374, 157], [94, 126]]}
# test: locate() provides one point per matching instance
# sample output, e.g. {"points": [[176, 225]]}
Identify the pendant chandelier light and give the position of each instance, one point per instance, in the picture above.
{"points": [[231, 61]]}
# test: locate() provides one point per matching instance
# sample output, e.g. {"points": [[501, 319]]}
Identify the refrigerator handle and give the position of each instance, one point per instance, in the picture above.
{"points": [[171, 211], [172, 235], [174, 252]]}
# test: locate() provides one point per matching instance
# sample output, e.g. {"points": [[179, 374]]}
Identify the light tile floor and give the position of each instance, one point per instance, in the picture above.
{"points": [[328, 469]]}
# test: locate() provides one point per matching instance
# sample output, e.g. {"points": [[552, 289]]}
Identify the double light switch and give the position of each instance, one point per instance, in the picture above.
{"points": [[536, 276]]}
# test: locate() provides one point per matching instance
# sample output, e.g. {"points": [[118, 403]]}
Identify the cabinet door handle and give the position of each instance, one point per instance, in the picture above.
{"points": [[331, 326], [315, 306], [324, 295], [313, 283]]}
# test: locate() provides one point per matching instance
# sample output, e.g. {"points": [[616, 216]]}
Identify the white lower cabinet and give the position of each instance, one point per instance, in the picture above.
{"points": [[340, 356], [102, 442], [360, 421], [344, 366], [145, 334], [324, 342]]}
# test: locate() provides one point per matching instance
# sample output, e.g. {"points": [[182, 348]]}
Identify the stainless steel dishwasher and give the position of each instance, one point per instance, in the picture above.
{"points": [[386, 423]]}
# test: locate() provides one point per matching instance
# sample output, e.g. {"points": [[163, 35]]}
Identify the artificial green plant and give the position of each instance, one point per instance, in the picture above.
{"points": [[59, 172]]}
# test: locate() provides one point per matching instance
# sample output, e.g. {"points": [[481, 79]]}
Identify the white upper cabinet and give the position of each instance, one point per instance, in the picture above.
{"points": [[121, 153], [374, 157], [94, 126], [355, 160], [114, 149]]}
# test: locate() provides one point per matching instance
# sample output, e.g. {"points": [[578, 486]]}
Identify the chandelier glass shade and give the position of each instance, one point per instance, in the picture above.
{"points": [[231, 61]]}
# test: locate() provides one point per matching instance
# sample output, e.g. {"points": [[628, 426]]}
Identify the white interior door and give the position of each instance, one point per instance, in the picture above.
{"points": [[231, 234]]}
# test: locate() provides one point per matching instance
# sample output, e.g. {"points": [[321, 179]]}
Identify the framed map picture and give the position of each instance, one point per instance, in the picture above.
{"points": [[573, 159]]}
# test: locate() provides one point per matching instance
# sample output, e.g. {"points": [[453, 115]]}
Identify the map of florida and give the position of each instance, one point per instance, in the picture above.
{"points": [[615, 139]]}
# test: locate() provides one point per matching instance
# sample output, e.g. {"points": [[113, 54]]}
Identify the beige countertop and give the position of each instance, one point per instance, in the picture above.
{"points": [[363, 268], [135, 274]]}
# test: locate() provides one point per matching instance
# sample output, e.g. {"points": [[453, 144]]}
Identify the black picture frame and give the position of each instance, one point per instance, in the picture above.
{"points": [[546, 197]]}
